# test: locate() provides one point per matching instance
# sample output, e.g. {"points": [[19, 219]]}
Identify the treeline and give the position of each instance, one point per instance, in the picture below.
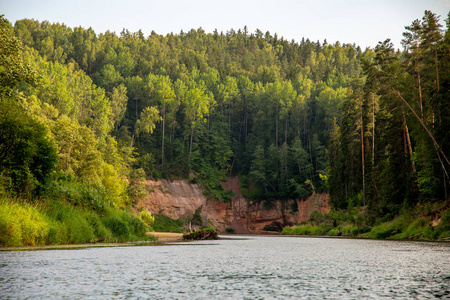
{"points": [[62, 179], [290, 118], [391, 148], [198, 105]]}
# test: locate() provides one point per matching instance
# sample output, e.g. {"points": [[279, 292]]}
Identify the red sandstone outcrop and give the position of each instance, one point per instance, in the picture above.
{"points": [[179, 198]]}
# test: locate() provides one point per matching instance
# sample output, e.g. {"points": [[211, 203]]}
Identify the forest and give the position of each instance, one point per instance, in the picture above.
{"points": [[86, 118]]}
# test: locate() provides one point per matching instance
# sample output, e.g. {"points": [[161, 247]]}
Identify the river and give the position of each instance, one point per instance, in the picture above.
{"points": [[245, 267]]}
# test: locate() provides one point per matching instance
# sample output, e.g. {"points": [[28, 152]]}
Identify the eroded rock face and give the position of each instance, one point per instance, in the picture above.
{"points": [[179, 198]]}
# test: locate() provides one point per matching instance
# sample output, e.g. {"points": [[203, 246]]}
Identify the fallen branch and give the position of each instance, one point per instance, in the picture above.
{"points": [[202, 234]]}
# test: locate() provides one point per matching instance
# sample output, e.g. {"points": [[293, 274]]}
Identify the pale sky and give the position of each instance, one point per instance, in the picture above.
{"points": [[363, 22]]}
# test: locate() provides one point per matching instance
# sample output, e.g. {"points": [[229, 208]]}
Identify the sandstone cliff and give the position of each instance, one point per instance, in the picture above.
{"points": [[179, 198]]}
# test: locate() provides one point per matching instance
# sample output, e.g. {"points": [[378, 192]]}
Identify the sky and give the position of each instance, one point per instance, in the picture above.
{"points": [[360, 22]]}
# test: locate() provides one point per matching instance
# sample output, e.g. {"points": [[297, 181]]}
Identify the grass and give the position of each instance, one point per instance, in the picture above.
{"points": [[22, 224], [416, 225], [306, 229], [411, 227], [52, 222], [166, 224]]}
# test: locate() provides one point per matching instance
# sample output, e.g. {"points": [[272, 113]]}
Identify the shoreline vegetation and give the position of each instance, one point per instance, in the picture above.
{"points": [[426, 223]]}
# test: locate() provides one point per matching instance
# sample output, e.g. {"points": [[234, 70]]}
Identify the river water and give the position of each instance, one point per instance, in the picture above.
{"points": [[245, 267]]}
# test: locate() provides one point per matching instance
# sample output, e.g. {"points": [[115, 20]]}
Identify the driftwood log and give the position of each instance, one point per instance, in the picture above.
{"points": [[202, 234]]}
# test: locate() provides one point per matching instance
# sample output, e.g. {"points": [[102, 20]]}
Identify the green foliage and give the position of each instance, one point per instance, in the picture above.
{"points": [[136, 187], [13, 69], [316, 217], [387, 152], [27, 151], [165, 224], [147, 217], [82, 194], [22, 224], [291, 118], [306, 229], [197, 218], [230, 230], [333, 232]]}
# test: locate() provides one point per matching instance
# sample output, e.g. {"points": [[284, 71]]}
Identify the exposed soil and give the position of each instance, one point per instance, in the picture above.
{"points": [[179, 199]]}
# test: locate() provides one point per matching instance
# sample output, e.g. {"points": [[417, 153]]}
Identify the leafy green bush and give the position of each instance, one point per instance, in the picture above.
{"points": [[73, 227], [125, 226], [349, 229], [316, 217], [22, 224], [306, 229], [333, 232], [166, 224], [82, 194], [136, 226], [230, 230], [147, 217], [117, 226]]}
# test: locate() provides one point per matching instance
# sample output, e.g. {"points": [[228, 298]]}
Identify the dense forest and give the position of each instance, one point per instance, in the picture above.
{"points": [[86, 117]]}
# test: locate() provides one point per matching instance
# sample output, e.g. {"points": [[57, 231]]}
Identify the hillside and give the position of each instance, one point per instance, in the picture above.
{"points": [[89, 119]]}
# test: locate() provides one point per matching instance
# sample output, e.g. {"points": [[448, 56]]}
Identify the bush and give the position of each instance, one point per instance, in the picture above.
{"points": [[350, 229], [81, 194], [118, 227], [22, 224], [230, 230], [166, 224], [125, 226], [306, 229], [100, 230], [147, 217], [71, 225], [333, 232]]}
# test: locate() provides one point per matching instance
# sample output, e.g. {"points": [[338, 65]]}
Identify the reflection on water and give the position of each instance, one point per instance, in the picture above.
{"points": [[245, 267]]}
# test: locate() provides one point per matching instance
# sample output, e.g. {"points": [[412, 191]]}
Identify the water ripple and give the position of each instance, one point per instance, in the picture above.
{"points": [[254, 267]]}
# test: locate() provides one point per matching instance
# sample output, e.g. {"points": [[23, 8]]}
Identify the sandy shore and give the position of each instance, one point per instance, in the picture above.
{"points": [[162, 237], [166, 236]]}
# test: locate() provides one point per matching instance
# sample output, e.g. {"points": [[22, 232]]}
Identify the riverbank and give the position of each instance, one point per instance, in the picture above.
{"points": [[167, 236], [417, 225], [160, 237]]}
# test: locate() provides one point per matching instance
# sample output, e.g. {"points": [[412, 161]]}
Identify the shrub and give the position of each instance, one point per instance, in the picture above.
{"points": [[22, 224], [74, 226], [147, 217], [100, 231], [349, 229], [165, 224], [230, 230], [118, 227], [333, 232], [83, 194], [135, 225], [306, 229]]}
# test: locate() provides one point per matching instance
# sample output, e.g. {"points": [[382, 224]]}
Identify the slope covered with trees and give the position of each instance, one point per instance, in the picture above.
{"points": [[290, 118], [392, 146], [209, 105]]}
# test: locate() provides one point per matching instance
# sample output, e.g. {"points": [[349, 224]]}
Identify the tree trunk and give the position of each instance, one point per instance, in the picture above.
{"points": [[276, 128], [190, 144], [408, 142], [436, 145], [362, 150], [373, 131], [163, 131], [286, 130], [420, 91]]}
